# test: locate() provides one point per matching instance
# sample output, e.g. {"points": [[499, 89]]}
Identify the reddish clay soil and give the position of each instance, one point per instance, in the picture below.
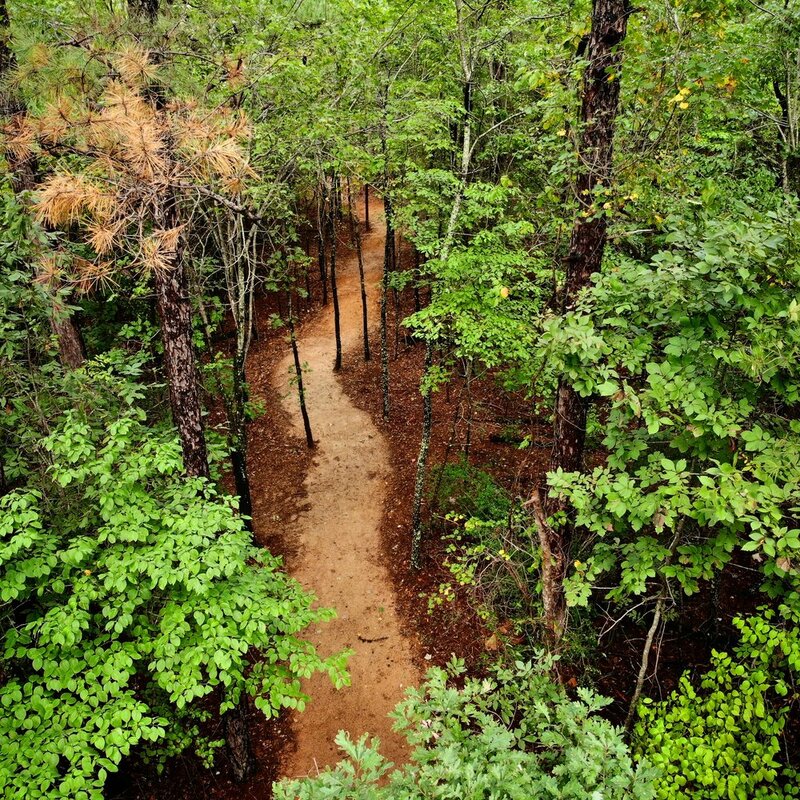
{"points": [[338, 535]]}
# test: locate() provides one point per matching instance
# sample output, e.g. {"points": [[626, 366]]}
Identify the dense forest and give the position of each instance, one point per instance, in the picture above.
{"points": [[400, 399]]}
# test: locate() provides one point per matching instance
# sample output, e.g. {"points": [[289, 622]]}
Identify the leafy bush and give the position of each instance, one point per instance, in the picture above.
{"points": [[490, 551], [698, 378], [130, 596], [514, 734], [723, 739]]}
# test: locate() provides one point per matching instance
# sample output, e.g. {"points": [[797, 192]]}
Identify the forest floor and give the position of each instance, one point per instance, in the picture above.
{"points": [[338, 536], [339, 516]]}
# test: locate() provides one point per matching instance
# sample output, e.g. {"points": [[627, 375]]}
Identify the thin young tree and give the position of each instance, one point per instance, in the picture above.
{"points": [[237, 242], [320, 226], [468, 59], [355, 235], [298, 374], [388, 261], [332, 198]]}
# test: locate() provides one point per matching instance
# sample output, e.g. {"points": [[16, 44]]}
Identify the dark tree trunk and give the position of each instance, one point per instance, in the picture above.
{"points": [[307, 251], [146, 9], [175, 319], [396, 326], [469, 416], [237, 739], [355, 233], [238, 441], [422, 461], [599, 104], [298, 372], [788, 157], [174, 313], [417, 303], [71, 349], [333, 212], [323, 270], [388, 260]]}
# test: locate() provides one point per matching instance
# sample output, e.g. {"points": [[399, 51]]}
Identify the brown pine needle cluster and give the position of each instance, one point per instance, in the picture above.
{"points": [[135, 158], [134, 65], [67, 198]]}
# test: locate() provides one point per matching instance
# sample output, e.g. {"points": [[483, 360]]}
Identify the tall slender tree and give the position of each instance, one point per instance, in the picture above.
{"points": [[332, 197], [355, 235], [599, 106]]}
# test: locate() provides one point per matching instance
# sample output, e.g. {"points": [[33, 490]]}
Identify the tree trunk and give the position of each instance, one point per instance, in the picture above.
{"points": [[599, 104], [355, 234], [237, 739], [323, 271], [444, 254], [396, 326], [417, 303], [175, 320], [298, 372], [422, 461], [551, 546], [333, 212], [71, 350], [174, 313], [238, 441], [468, 372], [388, 260]]}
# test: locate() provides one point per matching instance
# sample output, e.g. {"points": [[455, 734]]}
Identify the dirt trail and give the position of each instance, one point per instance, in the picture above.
{"points": [[339, 536]]}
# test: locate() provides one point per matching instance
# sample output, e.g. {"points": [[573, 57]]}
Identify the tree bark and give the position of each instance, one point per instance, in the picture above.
{"points": [[175, 320], [417, 303], [422, 461], [355, 234], [146, 9], [333, 212], [238, 441], [551, 546], [71, 349], [298, 372], [323, 270], [427, 419], [237, 739], [174, 313], [388, 260], [599, 105]]}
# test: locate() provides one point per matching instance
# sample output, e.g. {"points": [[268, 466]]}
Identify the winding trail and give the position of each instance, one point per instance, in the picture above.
{"points": [[339, 536]]}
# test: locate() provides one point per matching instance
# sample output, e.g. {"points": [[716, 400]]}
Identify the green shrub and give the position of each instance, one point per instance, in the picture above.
{"points": [[463, 490], [131, 600], [514, 734], [723, 739]]}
